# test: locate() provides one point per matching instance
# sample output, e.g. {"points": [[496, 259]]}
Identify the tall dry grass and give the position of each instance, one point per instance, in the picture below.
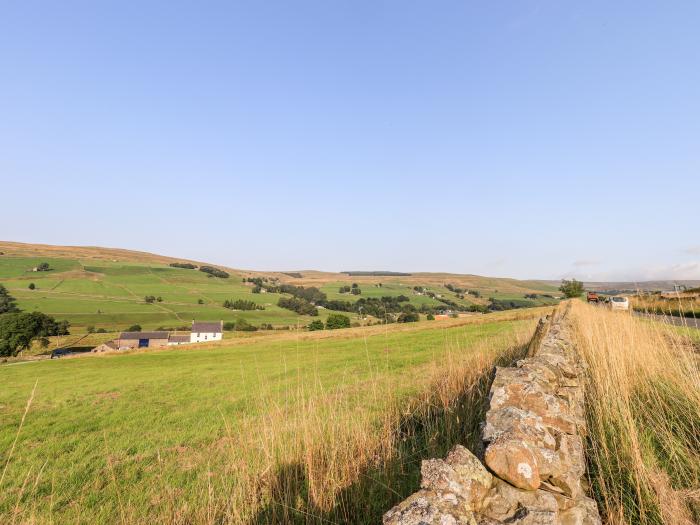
{"points": [[343, 458], [681, 305], [643, 411]]}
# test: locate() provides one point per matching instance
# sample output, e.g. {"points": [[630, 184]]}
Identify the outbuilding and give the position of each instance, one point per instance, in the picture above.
{"points": [[142, 340]]}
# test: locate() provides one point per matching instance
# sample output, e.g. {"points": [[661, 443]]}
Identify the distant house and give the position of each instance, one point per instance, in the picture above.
{"points": [[206, 331], [142, 340], [174, 339]]}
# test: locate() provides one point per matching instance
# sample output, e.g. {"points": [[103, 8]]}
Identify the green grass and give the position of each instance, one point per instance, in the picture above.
{"points": [[172, 435]]}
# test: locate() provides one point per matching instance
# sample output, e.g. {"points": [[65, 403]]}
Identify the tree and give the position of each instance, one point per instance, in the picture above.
{"points": [[159, 299], [31, 286], [19, 329], [90, 329], [408, 317], [572, 288], [149, 299], [430, 317], [336, 321], [200, 301], [316, 324], [134, 328], [43, 267], [7, 302]]}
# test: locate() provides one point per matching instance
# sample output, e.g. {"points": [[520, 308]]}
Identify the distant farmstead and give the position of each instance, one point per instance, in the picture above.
{"points": [[204, 331]]}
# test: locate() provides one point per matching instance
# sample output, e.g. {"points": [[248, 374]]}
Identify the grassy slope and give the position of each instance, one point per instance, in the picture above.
{"points": [[187, 435], [113, 282]]}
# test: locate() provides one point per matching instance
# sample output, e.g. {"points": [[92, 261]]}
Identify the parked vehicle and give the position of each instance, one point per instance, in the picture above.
{"points": [[619, 303], [592, 297]]}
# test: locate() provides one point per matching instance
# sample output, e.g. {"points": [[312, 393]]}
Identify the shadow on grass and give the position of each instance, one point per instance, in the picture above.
{"points": [[430, 433]]}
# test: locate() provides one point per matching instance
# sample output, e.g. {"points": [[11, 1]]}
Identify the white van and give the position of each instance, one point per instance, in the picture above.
{"points": [[619, 303]]}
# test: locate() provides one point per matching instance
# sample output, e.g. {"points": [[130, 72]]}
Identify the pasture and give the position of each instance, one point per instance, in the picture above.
{"points": [[297, 427]]}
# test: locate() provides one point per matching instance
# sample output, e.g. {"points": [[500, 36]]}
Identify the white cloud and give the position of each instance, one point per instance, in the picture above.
{"points": [[692, 250]]}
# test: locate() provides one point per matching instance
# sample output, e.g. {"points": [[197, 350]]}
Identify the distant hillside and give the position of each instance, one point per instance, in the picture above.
{"points": [[635, 285], [107, 288]]}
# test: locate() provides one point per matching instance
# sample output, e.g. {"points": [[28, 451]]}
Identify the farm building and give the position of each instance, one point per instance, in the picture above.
{"points": [[206, 331], [142, 339], [174, 339]]}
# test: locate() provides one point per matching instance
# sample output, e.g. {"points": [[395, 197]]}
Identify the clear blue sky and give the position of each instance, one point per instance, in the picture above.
{"points": [[526, 139]]}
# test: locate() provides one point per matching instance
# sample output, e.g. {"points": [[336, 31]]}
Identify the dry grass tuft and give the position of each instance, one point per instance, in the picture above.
{"points": [[643, 410]]}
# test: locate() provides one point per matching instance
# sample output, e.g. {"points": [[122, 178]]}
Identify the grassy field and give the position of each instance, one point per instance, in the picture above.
{"points": [[105, 288], [683, 305], [643, 410], [300, 427]]}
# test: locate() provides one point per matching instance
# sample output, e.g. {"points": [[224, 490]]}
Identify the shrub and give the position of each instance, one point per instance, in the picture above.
{"points": [[200, 301], [408, 317], [134, 328], [159, 299], [229, 326], [100, 331], [216, 272], [43, 267], [316, 324], [336, 321], [572, 288], [430, 317], [90, 329], [31, 286], [187, 266]]}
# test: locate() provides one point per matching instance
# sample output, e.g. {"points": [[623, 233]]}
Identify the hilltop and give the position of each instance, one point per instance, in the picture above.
{"points": [[106, 288]]}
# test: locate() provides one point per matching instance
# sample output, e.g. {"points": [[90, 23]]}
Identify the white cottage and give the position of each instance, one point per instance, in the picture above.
{"points": [[204, 331]]}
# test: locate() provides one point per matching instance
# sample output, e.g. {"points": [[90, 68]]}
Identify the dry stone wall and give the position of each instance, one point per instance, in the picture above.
{"points": [[533, 466]]}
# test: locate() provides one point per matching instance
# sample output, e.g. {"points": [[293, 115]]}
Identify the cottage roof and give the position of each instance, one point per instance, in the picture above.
{"points": [[179, 338], [143, 335], [207, 328]]}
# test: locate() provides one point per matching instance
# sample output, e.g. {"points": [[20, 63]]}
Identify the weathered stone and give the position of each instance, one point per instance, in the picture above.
{"points": [[518, 424], [584, 513], [514, 462], [428, 508], [505, 503], [461, 473]]}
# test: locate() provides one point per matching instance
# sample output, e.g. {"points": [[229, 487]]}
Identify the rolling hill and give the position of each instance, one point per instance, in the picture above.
{"points": [[106, 287]]}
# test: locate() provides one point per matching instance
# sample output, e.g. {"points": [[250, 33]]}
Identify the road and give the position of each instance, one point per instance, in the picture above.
{"points": [[690, 322]]}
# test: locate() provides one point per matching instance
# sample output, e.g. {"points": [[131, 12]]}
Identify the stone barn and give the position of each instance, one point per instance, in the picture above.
{"points": [[142, 340]]}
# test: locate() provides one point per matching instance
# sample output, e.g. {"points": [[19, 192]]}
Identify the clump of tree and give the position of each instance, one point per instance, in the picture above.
{"points": [[242, 304], [475, 293], [150, 299], [336, 321], [572, 288], [200, 301], [455, 289], [408, 317], [430, 317], [310, 294], [215, 272], [19, 329], [531, 296], [344, 289], [355, 289], [186, 266], [43, 267], [314, 325], [134, 328], [298, 305]]}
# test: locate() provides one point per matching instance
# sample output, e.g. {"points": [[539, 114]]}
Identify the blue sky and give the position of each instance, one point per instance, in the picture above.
{"points": [[525, 139]]}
